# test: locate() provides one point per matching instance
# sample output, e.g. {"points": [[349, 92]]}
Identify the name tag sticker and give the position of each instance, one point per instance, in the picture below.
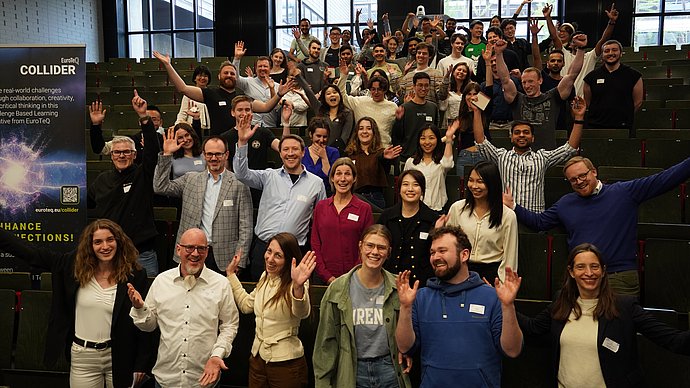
{"points": [[126, 187], [423, 235], [350, 73], [227, 202], [611, 345], [310, 70], [198, 162], [429, 118], [353, 217], [477, 308], [302, 198], [222, 103], [379, 300], [600, 80]]}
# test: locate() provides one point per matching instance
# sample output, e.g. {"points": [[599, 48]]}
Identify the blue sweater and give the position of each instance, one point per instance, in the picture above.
{"points": [[458, 331], [609, 219]]}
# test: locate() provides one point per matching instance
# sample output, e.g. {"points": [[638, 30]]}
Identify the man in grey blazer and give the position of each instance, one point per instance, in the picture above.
{"points": [[213, 200]]}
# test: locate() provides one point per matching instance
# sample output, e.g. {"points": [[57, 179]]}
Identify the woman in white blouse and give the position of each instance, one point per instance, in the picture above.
{"points": [[279, 301], [450, 95], [193, 112], [489, 224], [434, 159]]}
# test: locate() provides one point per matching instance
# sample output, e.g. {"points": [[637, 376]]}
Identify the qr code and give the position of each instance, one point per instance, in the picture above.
{"points": [[69, 195]]}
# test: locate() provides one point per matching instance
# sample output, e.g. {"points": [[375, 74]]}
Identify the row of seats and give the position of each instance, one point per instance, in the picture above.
{"points": [[23, 326]]}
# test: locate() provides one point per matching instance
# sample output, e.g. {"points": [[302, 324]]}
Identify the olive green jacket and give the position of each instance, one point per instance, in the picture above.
{"points": [[335, 353]]}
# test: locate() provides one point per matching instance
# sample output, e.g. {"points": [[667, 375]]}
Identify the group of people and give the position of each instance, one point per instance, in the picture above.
{"points": [[397, 285]]}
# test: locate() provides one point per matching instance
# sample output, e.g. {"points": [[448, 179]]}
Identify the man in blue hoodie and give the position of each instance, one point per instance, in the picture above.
{"points": [[459, 324]]}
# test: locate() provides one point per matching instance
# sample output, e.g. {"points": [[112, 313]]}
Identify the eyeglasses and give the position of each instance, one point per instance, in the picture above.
{"points": [[122, 152], [371, 246], [199, 248], [576, 179], [211, 155]]}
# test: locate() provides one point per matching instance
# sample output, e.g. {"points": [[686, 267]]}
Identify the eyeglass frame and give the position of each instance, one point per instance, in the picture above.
{"points": [[189, 249]]}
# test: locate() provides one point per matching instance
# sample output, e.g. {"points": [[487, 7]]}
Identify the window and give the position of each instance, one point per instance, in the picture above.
{"points": [[180, 28], [323, 14], [464, 11], [658, 22]]}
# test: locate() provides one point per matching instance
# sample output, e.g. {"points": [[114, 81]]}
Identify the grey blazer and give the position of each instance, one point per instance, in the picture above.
{"points": [[232, 218]]}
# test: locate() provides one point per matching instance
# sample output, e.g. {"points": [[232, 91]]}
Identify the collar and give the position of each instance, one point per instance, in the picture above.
{"points": [[203, 275], [284, 171], [220, 176], [598, 188]]}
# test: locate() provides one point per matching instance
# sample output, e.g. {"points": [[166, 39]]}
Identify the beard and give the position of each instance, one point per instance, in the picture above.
{"points": [[449, 272]]}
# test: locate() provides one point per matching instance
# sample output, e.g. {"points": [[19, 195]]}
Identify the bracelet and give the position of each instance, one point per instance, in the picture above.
{"points": [[582, 122]]}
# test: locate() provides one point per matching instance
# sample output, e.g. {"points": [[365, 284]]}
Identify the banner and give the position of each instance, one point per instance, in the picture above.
{"points": [[42, 150]]}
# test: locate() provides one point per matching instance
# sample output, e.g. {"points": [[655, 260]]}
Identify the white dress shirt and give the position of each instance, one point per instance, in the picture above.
{"points": [[189, 321]]}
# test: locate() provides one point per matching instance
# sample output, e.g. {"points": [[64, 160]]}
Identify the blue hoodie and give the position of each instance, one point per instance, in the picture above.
{"points": [[458, 330]]}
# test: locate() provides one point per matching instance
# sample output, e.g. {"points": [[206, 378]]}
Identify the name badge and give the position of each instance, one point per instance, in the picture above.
{"points": [[222, 103], [126, 187], [310, 70], [476, 308], [600, 80], [302, 198], [379, 300], [423, 235], [227, 202], [350, 73], [353, 217], [198, 162], [611, 345], [429, 118]]}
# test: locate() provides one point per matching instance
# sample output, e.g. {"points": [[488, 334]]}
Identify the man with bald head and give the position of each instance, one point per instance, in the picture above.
{"points": [[196, 313]]}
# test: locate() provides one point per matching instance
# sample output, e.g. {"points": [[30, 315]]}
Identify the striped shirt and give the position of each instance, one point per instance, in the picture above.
{"points": [[524, 173]]}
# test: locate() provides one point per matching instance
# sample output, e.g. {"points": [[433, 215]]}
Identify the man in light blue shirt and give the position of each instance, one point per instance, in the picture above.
{"points": [[289, 193]]}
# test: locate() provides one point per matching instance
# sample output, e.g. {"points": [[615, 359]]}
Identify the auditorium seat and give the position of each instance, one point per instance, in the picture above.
{"points": [[671, 92], [18, 281], [605, 133], [117, 64], [678, 103], [152, 80], [665, 153], [454, 188], [682, 117], [612, 152], [532, 265], [666, 274], [652, 104], [661, 367], [117, 98], [8, 301], [559, 261], [145, 64], [187, 64], [46, 281], [681, 71], [554, 188], [654, 118], [663, 81], [652, 71], [213, 63]]}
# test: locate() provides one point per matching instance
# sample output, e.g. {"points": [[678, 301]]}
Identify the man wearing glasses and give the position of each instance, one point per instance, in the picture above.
{"points": [[213, 200], [196, 314], [124, 193], [605, 215]]}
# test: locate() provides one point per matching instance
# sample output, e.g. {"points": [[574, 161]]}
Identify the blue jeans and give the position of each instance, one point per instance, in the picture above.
{"points": [[149, 260], [376, 373], [466, 157]]}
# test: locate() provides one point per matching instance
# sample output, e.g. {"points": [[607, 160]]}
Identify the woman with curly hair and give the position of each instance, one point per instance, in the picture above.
{"points": [[89, 316], [280, 301]]}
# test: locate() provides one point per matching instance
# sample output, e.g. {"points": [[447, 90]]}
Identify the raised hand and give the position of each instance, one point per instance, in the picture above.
{"points": [[507, 290], [327, 73], [286, 113], [343, 68], [386, 37], [170, 145], [449, 72], [406, 294], [139, 104], [358, 13], [284, 88], [500, 46], [239, 49], [164, 59], [408, 66], [579, 107], [441, 221], [96, 113], [452, 129], [534, 27], [399, 112], [392, 152], [488, 52], [370, 24], [193, 110], [248, 70], [296, 32], [525, 2], [385, 17], [435, 22], [301, 272], [134, 296], [613, 13], [546, 11], [234, 264], [579, 40]]}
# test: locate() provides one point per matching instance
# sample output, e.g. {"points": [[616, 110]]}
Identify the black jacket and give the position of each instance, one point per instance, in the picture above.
{"points": [[620, 369], [132, 349]]}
